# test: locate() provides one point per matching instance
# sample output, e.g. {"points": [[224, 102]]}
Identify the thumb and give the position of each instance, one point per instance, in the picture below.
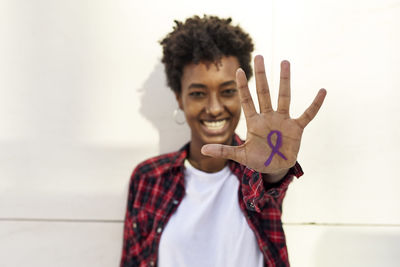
{"points": [[220, 151]]}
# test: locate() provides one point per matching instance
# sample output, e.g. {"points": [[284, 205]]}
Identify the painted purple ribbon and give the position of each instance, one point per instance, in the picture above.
{"points": [[275, 148]]}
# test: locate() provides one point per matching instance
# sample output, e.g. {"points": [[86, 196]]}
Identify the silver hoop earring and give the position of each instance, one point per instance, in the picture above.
{"points": [[179, 116]]}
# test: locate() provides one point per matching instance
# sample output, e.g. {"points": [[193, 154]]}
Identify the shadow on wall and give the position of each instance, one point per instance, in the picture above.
{"points": [[157, 105], [348, 248]]}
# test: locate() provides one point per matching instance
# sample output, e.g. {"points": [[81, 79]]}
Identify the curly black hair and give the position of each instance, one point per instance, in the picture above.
{"points": [[204, 39]]}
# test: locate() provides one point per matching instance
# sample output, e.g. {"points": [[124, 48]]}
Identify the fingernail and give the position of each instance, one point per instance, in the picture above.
{"points": [[259, 57]]}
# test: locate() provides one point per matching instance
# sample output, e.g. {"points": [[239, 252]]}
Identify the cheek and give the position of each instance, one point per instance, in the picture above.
{"points": [[234, 107], [191, 109]]}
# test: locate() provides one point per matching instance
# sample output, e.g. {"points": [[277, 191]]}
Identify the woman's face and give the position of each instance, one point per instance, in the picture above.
{"points": [[210, 101]]}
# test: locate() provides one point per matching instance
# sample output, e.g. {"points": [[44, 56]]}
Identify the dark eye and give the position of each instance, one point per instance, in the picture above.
{"points": [[229, 92], [197, 94]]}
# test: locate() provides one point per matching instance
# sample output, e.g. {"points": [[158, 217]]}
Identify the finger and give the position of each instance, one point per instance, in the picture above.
{"points": [[264, 97], [312, 110], [223, 151], [284, 88], [245, 98]]}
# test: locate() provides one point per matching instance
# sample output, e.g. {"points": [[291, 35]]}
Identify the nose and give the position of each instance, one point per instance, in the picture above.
{"points": [[215, 106]]}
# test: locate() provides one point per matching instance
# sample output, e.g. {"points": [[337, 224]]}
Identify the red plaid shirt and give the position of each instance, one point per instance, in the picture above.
{"points": [[157, 187]]}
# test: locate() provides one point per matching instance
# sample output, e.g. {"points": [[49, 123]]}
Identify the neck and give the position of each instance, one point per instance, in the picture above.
{"points": [[204, 163]]}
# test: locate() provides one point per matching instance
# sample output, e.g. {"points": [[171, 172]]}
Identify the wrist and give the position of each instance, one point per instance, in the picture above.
{"points": [[274, 177]]}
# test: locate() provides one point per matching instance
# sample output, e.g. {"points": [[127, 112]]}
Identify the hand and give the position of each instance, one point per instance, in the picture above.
{"points": [[273, 138]]}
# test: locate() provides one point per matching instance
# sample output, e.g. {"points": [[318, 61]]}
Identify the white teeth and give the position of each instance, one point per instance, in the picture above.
{"points": [[215, 125]]}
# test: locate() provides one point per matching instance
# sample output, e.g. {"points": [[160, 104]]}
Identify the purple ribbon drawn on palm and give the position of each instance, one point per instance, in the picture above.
{"points": [[275, 148]]}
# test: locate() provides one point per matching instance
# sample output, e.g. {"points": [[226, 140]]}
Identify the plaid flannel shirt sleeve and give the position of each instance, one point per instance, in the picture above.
{"points": [[256, 193], [128, 224]]}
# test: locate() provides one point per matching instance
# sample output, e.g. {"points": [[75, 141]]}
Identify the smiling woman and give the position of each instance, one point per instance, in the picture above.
{"points": [[216, 202], [210, 101]]}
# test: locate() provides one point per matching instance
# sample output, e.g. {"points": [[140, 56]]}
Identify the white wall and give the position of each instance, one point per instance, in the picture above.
{"points": [[83, 100]]}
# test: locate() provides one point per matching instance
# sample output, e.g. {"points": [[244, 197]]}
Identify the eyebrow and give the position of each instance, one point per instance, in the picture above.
{"points": [[232, 82], [197, 86], [202, 86]]}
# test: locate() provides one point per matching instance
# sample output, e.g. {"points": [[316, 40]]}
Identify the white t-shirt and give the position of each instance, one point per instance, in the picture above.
{"points": [[209, 229]]}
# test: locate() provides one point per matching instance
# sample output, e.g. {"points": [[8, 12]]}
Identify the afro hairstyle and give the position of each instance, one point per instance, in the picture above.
{"points": [[205, 39]]}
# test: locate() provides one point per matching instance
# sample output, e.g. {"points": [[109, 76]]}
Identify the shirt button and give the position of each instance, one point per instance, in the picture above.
{"points": [[175, 201], [151, 263], [159, 229], [134, 225]]}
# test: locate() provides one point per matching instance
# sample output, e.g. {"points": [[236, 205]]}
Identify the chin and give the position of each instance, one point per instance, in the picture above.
{"points": [[218, 139]]}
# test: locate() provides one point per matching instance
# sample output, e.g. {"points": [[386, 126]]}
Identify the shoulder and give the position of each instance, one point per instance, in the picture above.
{"points": [[158, 165]]}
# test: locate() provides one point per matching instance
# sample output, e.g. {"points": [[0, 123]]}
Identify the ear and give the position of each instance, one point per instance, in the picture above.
{"points": [[178, 97]]}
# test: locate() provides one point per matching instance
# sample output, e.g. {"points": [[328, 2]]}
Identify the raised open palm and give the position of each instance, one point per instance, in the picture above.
{"points": [[273, 138]]}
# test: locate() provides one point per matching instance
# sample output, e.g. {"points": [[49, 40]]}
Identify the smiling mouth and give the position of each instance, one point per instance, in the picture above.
{"points": [[215, 125]]}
